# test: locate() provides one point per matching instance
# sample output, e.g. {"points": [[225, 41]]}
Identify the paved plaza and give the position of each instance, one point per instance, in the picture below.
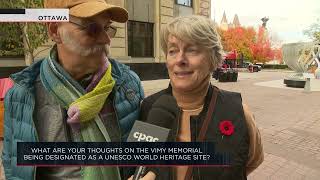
{"points": [[288, 119]]}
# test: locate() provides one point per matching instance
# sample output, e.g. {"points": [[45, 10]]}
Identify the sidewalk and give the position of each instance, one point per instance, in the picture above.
{"points": [[288, 119]]}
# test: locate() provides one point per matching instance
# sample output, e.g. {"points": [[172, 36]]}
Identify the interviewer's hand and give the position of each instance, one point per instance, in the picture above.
{"points": [[149, 176]]}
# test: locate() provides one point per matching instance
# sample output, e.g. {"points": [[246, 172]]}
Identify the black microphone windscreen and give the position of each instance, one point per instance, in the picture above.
{"points": [[164, 112]]}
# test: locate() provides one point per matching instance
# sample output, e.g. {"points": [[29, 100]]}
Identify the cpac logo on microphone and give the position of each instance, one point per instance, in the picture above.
{"points": [[145, 132], [144, 137]]}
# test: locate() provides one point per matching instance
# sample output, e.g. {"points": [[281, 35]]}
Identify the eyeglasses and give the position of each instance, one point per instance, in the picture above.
{"points": [[94, 29]]}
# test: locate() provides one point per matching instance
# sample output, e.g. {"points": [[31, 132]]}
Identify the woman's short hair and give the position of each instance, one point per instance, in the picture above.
{"points": [[197, 30]]}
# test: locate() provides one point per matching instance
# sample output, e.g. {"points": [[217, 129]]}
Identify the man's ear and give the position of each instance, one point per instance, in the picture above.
{"points": [[53, 32]]}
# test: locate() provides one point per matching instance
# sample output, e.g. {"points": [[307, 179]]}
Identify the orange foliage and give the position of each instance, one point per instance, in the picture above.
{"points": [[238, 38], [261, 50], [255, 46]]}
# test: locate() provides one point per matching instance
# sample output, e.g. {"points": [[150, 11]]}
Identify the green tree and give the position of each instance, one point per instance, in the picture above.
{"points": [[313, 31], [20, 38]]}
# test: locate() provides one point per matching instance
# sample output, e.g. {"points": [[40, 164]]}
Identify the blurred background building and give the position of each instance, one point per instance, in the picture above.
{"points": [[138, 40]]}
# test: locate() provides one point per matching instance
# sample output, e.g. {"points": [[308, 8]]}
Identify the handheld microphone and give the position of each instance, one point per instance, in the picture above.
{"points": [[157, 127]]}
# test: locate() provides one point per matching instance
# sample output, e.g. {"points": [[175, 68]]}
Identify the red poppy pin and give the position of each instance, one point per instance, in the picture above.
{"points": [[226, 127]]}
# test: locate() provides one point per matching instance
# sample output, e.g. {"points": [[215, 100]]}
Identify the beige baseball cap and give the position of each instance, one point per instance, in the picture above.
{"points": [[89, 8]]}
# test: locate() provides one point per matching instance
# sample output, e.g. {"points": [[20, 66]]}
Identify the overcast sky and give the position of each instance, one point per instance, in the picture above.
{"points": [[287, 18]]}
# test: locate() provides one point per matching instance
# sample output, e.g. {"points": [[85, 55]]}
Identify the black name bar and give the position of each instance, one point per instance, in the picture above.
{"points": [[12, 11]]}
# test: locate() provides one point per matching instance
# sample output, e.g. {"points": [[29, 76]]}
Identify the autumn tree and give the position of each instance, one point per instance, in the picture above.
{"points": [[255, 46], [21, 38], [240, 39], [261, 49]]}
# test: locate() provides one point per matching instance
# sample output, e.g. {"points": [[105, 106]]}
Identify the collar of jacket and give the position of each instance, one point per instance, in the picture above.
{"points": [[199, 118], [168, 91]]}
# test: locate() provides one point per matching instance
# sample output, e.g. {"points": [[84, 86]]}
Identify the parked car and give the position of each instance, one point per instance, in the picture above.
{"points": [[256, 68], [260, 65]]}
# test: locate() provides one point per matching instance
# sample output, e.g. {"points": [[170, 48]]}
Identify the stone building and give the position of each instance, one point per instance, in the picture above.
{"points": [[138, 41], [225, 25]]}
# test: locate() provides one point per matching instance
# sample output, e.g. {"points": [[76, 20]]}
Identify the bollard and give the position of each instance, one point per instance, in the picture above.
{"points": [[307, 85]]}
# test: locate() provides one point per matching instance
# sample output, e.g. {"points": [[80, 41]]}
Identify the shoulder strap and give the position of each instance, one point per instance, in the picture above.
{"points": [[205, 125], [206, 122]]}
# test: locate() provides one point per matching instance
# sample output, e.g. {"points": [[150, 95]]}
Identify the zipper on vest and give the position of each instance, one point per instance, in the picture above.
{"points": [[176, 136], [65, 126], [36, 133], [117, 119], [37, 136]]}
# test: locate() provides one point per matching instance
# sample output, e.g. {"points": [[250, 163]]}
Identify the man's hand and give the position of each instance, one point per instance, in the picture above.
{"points": [[149, 176]]}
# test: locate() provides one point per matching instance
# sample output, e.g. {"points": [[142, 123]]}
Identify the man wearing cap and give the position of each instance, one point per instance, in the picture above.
{"points": [[75, 94]]}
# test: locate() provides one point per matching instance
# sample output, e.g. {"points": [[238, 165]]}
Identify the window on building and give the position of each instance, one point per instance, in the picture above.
{"points": [[184, 2], [140, 39]]}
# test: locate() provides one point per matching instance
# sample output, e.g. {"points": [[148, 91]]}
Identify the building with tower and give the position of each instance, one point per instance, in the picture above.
{"points": [[225, 25]]}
